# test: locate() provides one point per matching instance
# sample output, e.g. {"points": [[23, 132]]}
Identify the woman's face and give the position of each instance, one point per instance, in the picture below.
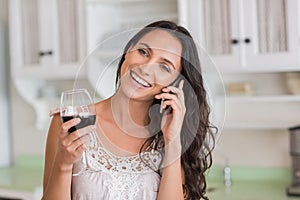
{"points": [[152, 64]]}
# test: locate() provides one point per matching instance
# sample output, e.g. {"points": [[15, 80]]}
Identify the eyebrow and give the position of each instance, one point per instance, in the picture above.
{"points": [[164, 59]]}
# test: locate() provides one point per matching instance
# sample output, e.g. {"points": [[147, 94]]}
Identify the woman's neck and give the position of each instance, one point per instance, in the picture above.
{"points": [[130, 115]]}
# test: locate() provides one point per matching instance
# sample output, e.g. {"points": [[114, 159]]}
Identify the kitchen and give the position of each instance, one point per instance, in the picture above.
{"points": [[260, 79]]}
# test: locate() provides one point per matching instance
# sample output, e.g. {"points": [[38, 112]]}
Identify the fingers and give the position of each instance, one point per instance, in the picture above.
{"points": [[181, 84], [72, 145], [172, 90], [172, 96], [175, 105], [69, 124], [75, 142], [179, 88], [78, 144], [70, 138], [178, 91]]}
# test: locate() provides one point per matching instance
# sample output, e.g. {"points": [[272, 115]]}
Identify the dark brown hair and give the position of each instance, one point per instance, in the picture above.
{"points": [[197, 136]]}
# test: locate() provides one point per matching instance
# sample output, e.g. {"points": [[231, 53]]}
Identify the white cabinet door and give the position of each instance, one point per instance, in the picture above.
{"points": [[246, 34], [220, 32], [271, 33], [46, 27], [46, 32], [215, 26]]}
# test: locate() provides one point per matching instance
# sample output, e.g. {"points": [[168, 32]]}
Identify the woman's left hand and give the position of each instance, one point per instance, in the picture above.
{"points": [[173, 116]]}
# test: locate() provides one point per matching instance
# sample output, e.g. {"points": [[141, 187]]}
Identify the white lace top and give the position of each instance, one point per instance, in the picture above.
{"points": [[114, 177], [117, 178]]}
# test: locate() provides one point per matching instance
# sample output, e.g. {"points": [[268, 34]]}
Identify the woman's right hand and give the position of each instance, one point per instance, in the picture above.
{"points": [[71, 145]]}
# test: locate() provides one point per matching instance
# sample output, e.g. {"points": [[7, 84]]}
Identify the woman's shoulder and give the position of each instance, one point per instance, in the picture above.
{"points": [[55, 111], [103, 103], [55, 121], [103, 107]]}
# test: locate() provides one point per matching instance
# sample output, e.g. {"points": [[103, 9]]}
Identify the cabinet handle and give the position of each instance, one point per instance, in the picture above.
{"points": [[234, 41], [45, 53], [247, 40]]}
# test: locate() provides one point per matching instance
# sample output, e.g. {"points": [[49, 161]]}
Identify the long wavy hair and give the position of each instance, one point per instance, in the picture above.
{"points": [[197, 133]]}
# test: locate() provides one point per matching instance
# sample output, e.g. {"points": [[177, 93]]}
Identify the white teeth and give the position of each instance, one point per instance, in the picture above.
{"points": [[139, 80]]}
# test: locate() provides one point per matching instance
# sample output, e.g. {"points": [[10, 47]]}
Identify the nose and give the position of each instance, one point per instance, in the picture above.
{"points": [[148, 68]]}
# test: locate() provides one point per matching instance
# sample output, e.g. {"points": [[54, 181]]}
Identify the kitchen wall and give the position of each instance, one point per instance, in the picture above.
{"points": [[4, 11], [5, 134], [264, 148], [26, 138]]}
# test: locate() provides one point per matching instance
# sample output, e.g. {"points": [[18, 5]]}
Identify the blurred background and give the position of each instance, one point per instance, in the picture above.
{"points": [[254, 44]]}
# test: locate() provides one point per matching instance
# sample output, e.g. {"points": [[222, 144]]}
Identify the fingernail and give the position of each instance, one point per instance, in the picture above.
{"points": [[161, 106]]}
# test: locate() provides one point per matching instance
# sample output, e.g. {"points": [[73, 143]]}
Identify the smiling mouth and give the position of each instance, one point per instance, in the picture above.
{"points": [[139, 80]]}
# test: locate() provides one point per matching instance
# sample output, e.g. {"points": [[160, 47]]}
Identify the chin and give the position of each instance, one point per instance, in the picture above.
{"points": [[135, 94]]}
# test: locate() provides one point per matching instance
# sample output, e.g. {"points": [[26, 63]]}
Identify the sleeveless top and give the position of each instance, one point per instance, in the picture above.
{"points": [[115, 177]]}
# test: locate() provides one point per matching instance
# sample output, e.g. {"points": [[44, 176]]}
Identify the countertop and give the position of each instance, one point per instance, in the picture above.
{"points": [[23, 179], [248, 183]]}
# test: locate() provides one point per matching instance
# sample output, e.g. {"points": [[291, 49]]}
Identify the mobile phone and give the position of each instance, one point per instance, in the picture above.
{"points": [[175, 83]]}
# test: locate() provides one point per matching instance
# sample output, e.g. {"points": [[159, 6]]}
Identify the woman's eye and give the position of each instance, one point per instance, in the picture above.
{"points": [[165, 67], [143, 52]]}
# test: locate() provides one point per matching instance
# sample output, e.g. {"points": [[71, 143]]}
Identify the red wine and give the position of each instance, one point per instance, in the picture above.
{"points": [[86, 120]]}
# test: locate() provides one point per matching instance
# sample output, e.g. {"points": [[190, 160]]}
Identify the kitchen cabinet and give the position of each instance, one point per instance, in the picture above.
{"points": [[251, 41], [246, 35], [46, 36], [47, 43]]}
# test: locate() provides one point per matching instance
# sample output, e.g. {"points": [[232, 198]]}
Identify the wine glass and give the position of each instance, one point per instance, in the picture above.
{"points": [[77, 103]]}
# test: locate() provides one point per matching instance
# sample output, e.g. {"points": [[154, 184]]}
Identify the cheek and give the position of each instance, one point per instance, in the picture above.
{"points": [[124, 68], [125, 64], [164, 81]]}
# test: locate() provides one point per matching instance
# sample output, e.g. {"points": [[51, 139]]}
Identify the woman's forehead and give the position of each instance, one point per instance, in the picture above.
{"points": [[162, 40]]}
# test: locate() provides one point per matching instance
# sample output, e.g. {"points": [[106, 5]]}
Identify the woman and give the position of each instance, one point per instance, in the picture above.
{"points": [[153, 133]]}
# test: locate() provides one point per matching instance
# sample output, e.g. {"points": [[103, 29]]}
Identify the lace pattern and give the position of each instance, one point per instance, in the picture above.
{"points": [[123, 186], [119, 178], [99, 158]]}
